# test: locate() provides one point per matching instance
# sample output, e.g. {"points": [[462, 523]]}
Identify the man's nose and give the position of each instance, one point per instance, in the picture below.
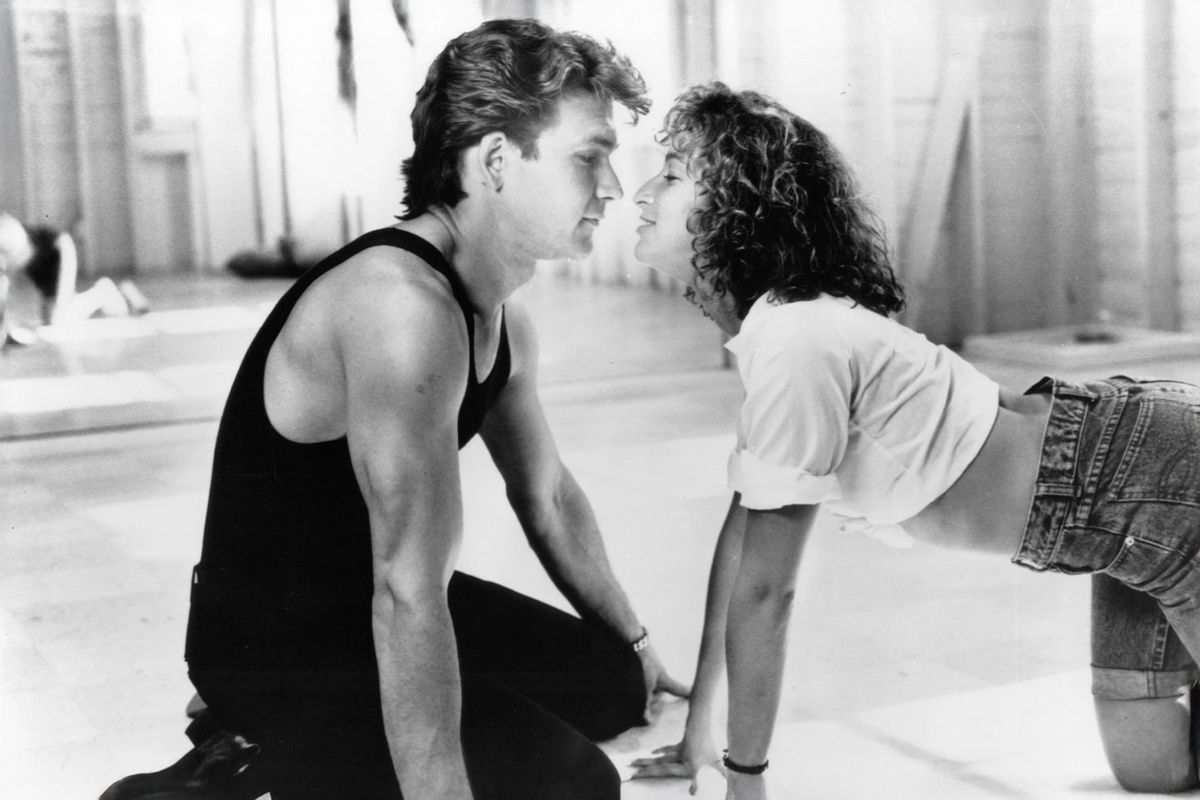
{"points": [[609, 185]]}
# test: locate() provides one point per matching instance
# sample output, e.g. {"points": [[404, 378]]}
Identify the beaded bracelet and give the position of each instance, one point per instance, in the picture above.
{"points": [[730, 764], [642, 642]]}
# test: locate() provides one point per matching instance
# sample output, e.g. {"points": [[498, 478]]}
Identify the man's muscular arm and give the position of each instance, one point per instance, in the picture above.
{"points": [[554, 512], [405, 365]]}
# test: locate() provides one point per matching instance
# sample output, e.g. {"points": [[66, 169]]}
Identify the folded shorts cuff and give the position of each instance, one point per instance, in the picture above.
{"points": [[1138, 684]]}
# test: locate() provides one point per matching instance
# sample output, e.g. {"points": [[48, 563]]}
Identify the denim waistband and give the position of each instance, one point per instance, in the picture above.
{"points": [[1059, 482]]}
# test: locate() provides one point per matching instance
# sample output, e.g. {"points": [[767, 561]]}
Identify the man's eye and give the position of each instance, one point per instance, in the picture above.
{"points": [[590, 159]]}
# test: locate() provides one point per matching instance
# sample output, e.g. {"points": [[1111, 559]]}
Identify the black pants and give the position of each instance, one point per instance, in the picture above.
{"points": [[539, 687]]}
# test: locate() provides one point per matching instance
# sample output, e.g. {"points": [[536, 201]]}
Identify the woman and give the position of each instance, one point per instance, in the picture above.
{"points": [[756, 213]]}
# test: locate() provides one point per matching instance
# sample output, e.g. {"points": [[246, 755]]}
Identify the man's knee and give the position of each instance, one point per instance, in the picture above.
{"points": [[621, 708], [594, 777], [580, 771]]}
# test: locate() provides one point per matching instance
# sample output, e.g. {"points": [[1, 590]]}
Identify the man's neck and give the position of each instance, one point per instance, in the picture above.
{"points": [[488, 270]]}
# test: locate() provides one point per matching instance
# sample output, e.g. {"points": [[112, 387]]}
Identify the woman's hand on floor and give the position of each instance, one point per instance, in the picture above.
{"points": [[683, 760]]}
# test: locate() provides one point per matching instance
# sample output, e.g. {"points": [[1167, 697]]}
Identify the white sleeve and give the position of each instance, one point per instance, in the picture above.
{"points": [[793, 426]]}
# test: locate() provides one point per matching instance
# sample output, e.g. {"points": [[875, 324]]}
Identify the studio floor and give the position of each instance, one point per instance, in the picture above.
{"points": [[913, 672]]}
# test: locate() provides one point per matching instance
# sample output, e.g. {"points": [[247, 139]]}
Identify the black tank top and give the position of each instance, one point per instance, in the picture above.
{"points": [[285, 575]]}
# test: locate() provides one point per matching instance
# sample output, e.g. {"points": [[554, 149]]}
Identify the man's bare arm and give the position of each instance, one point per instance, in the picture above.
{"points": [[554, 511], [405, 377]]}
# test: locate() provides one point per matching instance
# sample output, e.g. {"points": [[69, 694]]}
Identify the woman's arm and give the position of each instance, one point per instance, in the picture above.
{"points": [[789, 528], [68, 274], [710, 665], [760, 607]]}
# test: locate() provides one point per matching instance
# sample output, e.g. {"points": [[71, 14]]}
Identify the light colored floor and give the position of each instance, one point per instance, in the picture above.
{"points": [[913, 672]]}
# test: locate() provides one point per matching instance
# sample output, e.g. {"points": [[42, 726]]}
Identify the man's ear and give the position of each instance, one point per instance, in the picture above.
{"points": [[494, 151]]}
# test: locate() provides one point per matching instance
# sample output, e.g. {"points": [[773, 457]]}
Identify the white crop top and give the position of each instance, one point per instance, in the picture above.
{"points": [[849, 408]]}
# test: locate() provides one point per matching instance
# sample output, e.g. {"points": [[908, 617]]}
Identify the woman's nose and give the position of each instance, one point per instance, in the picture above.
{"points": [[644, 195]]}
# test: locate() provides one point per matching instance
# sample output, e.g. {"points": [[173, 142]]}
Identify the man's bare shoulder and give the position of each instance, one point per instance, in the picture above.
{"points": [[383, 309], [381, 321], [386, 294], [379, 277]]}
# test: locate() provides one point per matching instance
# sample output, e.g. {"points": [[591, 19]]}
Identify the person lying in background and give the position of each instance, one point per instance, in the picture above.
{"points": [[49, 261], [757, 213]]}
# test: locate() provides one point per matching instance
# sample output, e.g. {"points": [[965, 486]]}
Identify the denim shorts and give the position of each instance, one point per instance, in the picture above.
{"points": [[1118, 497]]}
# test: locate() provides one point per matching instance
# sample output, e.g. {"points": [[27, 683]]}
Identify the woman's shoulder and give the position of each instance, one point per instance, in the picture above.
{"points": [[802, 329], [823, 313], [834, 327]]}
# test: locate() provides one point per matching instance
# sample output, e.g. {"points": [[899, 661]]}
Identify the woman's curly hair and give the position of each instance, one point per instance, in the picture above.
{"points": [[778, 210]]}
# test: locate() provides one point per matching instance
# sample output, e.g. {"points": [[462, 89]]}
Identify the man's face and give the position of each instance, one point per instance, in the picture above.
{"points": [[555, 201]]}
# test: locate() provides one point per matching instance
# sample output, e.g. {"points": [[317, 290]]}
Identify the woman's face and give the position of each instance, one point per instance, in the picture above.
{"points": [[666, 202], [664, 242]]}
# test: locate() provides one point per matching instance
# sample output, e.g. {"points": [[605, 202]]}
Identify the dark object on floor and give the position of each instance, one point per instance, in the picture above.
{"points": [[282, 263]]}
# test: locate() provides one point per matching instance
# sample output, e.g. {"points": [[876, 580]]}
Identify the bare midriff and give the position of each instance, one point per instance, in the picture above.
{"points": [[987, 508]]}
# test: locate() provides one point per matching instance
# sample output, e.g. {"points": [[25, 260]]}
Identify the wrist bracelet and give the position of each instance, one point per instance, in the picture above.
{"points": [[639, 644], [730, 764]]}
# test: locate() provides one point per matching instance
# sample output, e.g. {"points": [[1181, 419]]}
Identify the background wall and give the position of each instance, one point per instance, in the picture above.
{"points": [[1037, 161]]}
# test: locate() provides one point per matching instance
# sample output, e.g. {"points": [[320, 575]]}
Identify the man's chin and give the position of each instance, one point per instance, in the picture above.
{"points": [[582, 247]]}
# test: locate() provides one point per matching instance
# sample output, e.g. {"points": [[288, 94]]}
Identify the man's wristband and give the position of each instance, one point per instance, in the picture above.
{"points": [[733, 766], [642, 642]]}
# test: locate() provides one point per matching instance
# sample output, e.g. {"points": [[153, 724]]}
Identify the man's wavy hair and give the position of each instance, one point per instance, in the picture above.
{"points": [[505, 75], [778, 210]]}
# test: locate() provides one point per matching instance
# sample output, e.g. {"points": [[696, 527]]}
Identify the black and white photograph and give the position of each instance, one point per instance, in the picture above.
{"points": [[599, 399]]}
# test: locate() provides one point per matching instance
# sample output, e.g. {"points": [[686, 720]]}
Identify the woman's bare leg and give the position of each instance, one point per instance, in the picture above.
{"points": [[1141, 674], [1149, 743]]}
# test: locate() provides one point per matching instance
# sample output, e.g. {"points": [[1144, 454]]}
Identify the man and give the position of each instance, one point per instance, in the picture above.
{"points": [[328, 626]]}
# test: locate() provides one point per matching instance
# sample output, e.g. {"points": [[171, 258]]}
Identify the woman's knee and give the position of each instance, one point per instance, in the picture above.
{"points": [[1155, 776], [1148, 743]]}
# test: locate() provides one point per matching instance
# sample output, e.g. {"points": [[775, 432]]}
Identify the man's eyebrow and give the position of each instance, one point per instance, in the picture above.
{"points": [[606, 140]]}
